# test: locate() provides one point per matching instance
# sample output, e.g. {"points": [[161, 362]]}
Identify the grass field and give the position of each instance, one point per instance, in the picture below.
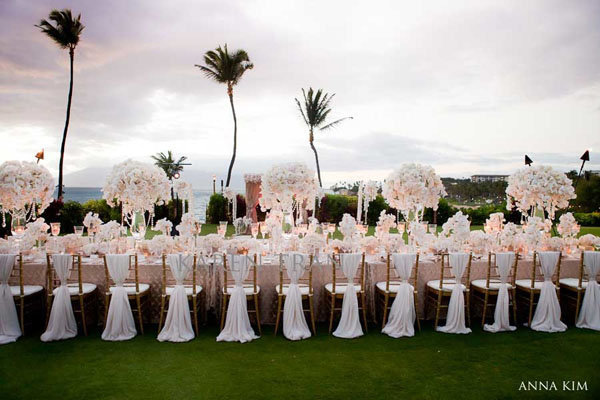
{"points": [[429, 365]]}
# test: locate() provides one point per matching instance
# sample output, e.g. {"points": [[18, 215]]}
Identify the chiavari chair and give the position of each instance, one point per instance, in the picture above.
{"points": [[251, 288], [528, 290], [83, 295], [439, 291], [335, 290], [192, 289], [305, 283], [572, 290], [486, 290], [385, 291], [28, 298], [137, 293]]}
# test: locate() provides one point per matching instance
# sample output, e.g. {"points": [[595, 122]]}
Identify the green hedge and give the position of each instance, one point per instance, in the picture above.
{"points": [[588, 219]]}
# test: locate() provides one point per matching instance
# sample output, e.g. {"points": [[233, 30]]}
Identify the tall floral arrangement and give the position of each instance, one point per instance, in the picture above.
{"points": [[539, 188], [288, 186], [26, 189], [568, 226], [184, 191], [412, 188], [137, 186]]}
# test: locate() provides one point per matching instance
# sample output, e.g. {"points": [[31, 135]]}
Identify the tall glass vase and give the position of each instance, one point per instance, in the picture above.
{"points": [[287, 224], [138, 225]]}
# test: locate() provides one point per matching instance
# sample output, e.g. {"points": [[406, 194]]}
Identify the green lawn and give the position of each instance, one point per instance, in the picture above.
{"points": [[430, 365]]}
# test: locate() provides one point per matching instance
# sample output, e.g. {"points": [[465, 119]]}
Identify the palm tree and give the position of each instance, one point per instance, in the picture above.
{"points": [[223, 67], [315, 112], [66, 32], [171, 167]]}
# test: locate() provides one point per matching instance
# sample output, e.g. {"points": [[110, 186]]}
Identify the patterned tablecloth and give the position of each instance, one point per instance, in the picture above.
{"points": [[210, 277]]}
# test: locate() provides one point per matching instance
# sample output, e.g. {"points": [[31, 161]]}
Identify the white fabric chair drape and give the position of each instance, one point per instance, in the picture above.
{"points": [[119, 322], [455, 320], [294, 321], [547, 312], [9, 321], [504, 261], [589, 315], [61, 324], [237, 324], [402, 313], [178, 324], [349, 326]]}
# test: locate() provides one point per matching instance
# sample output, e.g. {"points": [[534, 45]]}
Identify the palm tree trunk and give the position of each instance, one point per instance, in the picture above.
{"points": [[311, 140], [230, 92], [64, 139]]}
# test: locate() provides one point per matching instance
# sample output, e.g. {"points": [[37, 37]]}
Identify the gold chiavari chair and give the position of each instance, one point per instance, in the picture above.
{"points": [[192, 289], [573, 289], [486, 290], [385, 291], [137, 293], [439, 291], [83, 295], [250, 287], [306, 289], [28, 298], [528, 290], [335, 290]]}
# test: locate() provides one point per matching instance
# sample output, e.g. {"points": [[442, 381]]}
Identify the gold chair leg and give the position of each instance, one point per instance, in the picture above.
{"points": [[577, 306], [385, 309], [106, 306], [162, 312], [514, 304], [139, 310], [22, 314], [530, 307], [437, 310], [331, 313], [417, 312], [85, 333], [48, 308], [278, 314], [485, 304], [312, 314], [364, 311], [469, 308], [195, 306], [257, 314], [223, 310]]}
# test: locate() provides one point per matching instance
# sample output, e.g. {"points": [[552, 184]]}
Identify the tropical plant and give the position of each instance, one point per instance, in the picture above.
{"points": [[315, 111], [224, 67], [171, 167], [66, 32]]}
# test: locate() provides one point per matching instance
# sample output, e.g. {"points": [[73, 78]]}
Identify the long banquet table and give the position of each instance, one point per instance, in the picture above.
{"points": [[210, 277]]}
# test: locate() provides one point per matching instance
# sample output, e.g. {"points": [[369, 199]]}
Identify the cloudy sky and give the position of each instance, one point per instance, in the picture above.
{"points": [[468, 87]]}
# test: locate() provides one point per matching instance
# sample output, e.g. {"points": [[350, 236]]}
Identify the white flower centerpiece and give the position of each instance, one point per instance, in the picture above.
{"points": [[412, 188], [289, 187], [137, 186], [568, 228], [539, 189], [185, 192], [26, 190], [367, 192]]}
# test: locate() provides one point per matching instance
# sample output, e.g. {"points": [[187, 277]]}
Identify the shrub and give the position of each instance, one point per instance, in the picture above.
{"points": [[217, 209], [70, 215], [375, 208], [588, 219], [104, 211]]}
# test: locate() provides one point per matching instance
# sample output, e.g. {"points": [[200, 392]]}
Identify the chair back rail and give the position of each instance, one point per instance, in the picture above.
{"points": [[493, 274], [360, 273], [305, 279], [74, 277], [251, 280], [536, 270], [133, 276], [447, 274], [414, 274], [169, 280]]}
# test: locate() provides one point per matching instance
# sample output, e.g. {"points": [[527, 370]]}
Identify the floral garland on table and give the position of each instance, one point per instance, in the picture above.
{"points": [[211, 243], [393, 243], [160, 244], [458, 230], [242, 246], [313, 243], [412, 188], [26, 189], [37, 229], [568, 226], [164, 225], [91, 221], [370, 244], [511, 237], [494, 224], [288, 186], [540, 187], [137, 186], [589, 241], [480, 242], [109, 231], [185, 191], [535, 232], [72, 243], [189, 226]]}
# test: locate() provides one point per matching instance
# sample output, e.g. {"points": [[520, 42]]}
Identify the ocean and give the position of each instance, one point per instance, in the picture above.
{"points": [[83, 194]]}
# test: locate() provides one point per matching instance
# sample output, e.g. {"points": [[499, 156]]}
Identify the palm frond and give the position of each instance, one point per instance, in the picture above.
{"points": [[334, 123], [66, 30], [224, 67]]}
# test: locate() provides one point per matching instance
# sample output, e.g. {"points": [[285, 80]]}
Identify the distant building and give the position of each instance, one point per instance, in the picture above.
{"points": [[489, 178]]}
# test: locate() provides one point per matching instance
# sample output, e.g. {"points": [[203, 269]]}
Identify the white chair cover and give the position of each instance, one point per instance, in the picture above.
{"points": [[294, 322], [455, 320], [61, 324], [9, 321], [237, 324], [402, 314], [504, 261], [589, 315], [178, 324], [119, 322], [547, 312], [349, 326]]}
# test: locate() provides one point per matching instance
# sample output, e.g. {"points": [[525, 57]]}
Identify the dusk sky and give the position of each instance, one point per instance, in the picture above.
{"points": [[465, 86]]}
